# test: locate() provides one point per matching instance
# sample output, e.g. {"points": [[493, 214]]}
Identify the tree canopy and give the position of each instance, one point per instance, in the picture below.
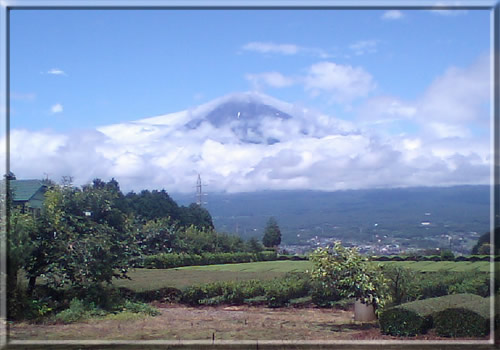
{"points": [[272, 233]]}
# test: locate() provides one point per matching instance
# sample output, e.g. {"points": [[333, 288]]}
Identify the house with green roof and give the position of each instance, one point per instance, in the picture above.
{"points": [[29, 194]]}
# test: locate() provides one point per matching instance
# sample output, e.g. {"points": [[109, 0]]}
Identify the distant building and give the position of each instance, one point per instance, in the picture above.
{"points": [[28, 194]]}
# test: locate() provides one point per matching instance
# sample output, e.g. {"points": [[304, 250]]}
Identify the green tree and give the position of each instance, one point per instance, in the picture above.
{"points": [[83, 239], [157, 236], [21, 228], [254, 246], [272, 233], [485, 238], [195, 215]]}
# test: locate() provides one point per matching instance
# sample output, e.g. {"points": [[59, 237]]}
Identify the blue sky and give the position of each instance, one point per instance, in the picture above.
{"points": [[73, 71]]}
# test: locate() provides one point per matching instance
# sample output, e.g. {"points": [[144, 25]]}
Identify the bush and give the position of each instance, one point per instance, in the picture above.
{"points": [[463, 321], [76, 311], [138, 307], [323, 296], [401, 284], [171, 260], [435, 284], [279, 292], [416, 317]]}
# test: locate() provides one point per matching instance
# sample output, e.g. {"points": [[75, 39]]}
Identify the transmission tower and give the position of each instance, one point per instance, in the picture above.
{"points": [[199, 192]]}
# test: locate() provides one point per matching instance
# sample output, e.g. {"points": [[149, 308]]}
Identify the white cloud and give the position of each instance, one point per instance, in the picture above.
{"points": [[56, 71], [273, 79], [342, 82], [285, 49], [363, 47], [269, 47], [392, 14], [311, 150], [457, 95], [57, 108]]}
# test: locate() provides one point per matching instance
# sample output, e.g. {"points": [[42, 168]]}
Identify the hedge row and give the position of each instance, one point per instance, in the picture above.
{"points": [[419, 316], [171, 260], [275, 293], [433, 258]]}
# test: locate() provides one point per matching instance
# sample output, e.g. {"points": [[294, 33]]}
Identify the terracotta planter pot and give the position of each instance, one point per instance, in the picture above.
{"points": [[364, 312]]}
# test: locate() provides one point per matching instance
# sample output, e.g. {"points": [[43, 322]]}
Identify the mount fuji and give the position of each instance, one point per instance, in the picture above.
{"points": [[245, 142]]}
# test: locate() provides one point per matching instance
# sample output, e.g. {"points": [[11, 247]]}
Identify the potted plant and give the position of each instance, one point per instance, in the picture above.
{"points": [[351, 275]]}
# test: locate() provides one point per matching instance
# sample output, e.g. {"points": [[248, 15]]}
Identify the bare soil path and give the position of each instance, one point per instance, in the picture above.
{"points": [[178, 322]]}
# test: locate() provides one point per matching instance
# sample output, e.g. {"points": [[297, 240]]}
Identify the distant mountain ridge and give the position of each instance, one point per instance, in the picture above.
{"points": [[358, 214]]}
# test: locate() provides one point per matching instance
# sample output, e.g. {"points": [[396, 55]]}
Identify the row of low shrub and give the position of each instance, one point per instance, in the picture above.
{"points": [[171, 260], [471, 258], [417, 317], [276, 293], [459, 315]]}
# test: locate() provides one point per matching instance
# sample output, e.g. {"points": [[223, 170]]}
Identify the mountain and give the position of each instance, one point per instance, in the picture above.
{"points": [[418, 216], [246, 142], [245, 118]]}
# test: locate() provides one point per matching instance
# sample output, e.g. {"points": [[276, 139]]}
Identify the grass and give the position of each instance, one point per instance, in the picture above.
{"points": [[182, 277]]}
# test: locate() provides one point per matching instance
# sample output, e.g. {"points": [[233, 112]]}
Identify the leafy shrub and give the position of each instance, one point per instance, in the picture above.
{"points": [[137, 307], [479, 285], [463, 321], [323, 296], [447, 255], [435, 284], [345, 270], [76, 311], [416, 317], [171, 260], [294, 285], [401, 284], [277, 295]]}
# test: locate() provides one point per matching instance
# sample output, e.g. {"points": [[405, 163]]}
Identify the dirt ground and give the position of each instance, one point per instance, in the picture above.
{"points": [[178, 322]]}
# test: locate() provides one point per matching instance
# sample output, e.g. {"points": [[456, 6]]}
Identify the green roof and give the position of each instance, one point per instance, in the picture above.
{"points": [[24, 190]]}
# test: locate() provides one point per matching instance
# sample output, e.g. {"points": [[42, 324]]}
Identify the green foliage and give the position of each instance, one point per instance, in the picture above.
{"points": [[324, 295], [401, 284], [21, 228], [346, 271], [463, 321], [139, 307], [486, 239], [171, 260], [443, 283], [272, 234], [87, 239], [254, 246], [157, 236], [77, 310], [484, 249], [416, 317], [279, 292], [447, 255]]}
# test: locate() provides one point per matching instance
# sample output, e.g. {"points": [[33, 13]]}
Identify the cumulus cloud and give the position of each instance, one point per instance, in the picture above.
{"points": [[311, 150], [392, 15], [458, 94], [342, 82], [272, 79], [57, 108]]}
